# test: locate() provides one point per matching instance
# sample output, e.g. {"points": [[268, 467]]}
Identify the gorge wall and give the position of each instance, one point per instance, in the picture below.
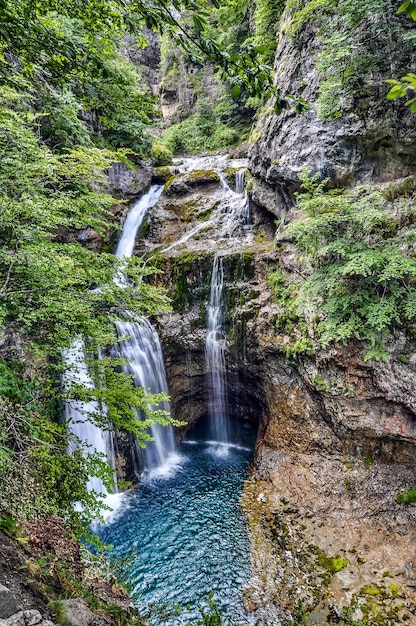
{"points": [[337, 433], [339, 437]]}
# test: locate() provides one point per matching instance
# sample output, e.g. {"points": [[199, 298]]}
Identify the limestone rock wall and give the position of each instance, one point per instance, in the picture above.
{"points": [[338, 437], [370, 139]]}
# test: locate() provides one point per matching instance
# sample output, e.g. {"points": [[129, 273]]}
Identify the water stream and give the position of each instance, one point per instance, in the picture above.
{"points": [[215, 358], [79, 414], [141, 346]]}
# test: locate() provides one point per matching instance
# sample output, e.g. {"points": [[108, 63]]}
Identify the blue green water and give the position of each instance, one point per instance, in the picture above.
{"points": [[185, 533]]}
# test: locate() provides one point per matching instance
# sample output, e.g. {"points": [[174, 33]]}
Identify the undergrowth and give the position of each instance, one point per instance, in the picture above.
{"points": [[358, 263]]}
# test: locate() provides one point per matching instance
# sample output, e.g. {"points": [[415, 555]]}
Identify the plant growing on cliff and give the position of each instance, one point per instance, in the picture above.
{"points": [[362, 267], [407, 84], [407, 496], [360, 42]]}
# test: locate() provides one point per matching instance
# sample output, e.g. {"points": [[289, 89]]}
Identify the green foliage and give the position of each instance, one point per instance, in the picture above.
{"points": [[291, 325], [407, 496], [199, 132], [160, 154], [299, 615], [408, 7], [47, 296], [8, 525], [266, 24], [211, 614], [347, 613], [401, 88], [363, 269], [58, 611], [82, 90]]}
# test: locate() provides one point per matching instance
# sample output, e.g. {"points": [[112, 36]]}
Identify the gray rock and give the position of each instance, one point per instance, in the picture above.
{"points": [[128, 182], [16, 619], [8, 603], [78, 613], [372, 144], [32, 617]]}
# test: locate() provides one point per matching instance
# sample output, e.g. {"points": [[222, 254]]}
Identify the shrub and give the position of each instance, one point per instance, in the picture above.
{"points": [[407, 496], [362, 272], [161, 155]]}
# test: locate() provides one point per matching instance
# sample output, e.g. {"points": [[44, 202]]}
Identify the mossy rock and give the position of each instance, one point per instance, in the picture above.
{"points": [[162, 174], [187, 182], [230, 173]]}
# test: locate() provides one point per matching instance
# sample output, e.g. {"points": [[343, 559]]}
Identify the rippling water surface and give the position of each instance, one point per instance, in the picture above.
{"points": [[186, 533]]}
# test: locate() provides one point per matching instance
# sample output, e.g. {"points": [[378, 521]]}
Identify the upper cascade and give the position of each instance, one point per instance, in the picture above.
{"points": [[231, 216]]}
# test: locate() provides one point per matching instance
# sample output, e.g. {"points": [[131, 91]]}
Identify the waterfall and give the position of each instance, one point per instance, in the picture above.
{"points": [[232, 215], [239, 181], [139, 343], [142, 348], [215, 359], [79, 414], [134, 220]]}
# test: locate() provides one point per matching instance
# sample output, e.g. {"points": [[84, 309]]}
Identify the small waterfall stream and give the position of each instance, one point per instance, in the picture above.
{"points": [[134, 220], [215, 358]]}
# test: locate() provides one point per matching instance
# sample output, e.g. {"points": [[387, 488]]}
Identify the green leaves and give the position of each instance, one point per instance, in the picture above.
{"points": [[408, 7], [400, 89], [362, 266], [408, 82], [235, 92]]}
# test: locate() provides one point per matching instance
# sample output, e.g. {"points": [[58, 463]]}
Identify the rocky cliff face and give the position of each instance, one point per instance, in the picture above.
{"points": [[352, 134], [338, 443]]}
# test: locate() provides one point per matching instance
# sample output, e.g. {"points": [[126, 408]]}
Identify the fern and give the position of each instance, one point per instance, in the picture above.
{"points": [[362, 265]]}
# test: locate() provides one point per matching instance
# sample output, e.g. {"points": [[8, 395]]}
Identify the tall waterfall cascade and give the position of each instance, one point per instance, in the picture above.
{"points": [[140, 345], [215, 358], [229, 220], [79, 415]]}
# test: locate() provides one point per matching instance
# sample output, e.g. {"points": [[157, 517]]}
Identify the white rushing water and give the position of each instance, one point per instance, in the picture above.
{"points": [[134, 220], [139, 343], [80, 415], [232, 215], [215, 357], [141, 347]]}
